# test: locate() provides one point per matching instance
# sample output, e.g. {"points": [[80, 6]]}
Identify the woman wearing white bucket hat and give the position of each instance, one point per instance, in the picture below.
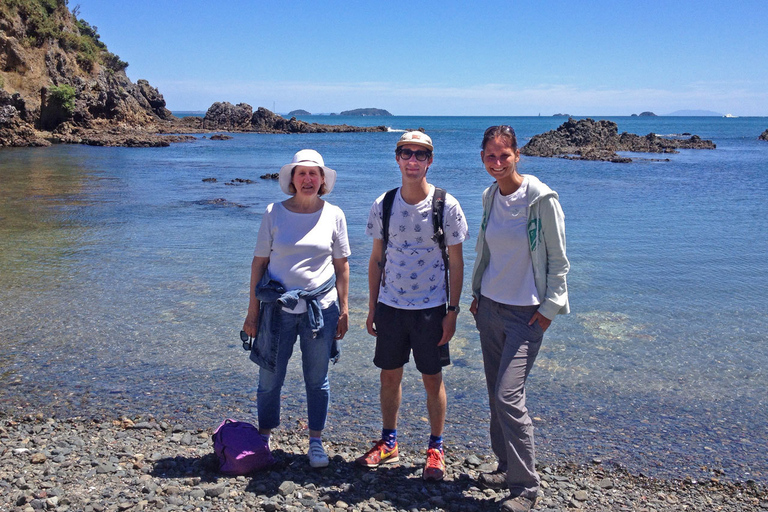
{"points": [[299, 289]]}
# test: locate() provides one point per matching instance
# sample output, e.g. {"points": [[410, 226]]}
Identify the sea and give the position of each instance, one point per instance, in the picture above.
{"points": [[124, 277]]}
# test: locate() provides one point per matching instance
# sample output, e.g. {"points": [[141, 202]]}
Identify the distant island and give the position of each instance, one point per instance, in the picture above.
{"points": [[644, 114], [298, 113], [695, 113], [561, 115], [365, 112]]}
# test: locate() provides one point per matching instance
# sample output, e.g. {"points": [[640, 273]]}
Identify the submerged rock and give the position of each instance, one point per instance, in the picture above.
{"points": [[587, 139]]}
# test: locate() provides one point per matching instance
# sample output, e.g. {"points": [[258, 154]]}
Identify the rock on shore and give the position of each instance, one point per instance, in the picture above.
{"points": [[149, 464], [587, 139]]}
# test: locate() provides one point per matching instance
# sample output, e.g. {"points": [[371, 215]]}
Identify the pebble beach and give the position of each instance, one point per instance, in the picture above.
{"points": [[146, 463]]}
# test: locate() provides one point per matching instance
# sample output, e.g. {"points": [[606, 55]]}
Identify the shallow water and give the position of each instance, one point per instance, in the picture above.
{"points": [[123, 285]]}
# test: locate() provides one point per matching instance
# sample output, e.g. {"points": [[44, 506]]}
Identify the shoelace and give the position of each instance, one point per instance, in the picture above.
{"points": [[434, 458]]}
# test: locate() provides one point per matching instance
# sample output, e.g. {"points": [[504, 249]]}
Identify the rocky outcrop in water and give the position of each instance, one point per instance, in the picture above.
{"points": [[587, 139], [265, 121], [764, 136]]}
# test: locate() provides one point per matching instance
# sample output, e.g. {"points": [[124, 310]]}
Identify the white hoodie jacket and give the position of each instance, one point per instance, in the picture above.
{"points": [[546, 237]]}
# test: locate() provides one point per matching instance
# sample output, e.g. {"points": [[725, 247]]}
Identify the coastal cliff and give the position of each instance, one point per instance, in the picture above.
{"points": [[60, 84]]}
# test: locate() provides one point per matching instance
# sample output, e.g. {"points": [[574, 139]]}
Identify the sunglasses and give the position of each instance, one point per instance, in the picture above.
{"points": [[421, 155]]}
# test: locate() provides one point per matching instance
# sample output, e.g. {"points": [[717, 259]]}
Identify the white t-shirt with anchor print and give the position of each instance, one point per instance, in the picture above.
{"points": [[415, 271]]}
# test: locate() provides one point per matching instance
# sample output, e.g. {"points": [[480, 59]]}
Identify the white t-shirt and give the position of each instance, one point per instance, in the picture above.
{"points": [[508, 279], [415, 271], [301, 248]]}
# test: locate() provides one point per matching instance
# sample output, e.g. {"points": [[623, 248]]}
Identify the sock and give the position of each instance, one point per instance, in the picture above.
{"points": [[315, 440], [389, 436], [436, 442]]}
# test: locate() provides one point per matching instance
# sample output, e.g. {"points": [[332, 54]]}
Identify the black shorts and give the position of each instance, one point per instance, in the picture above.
{"points": [[398, 331]]}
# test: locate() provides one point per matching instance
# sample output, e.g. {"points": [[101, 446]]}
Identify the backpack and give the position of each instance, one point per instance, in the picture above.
{"points": [[438, 207], [240, 448]]}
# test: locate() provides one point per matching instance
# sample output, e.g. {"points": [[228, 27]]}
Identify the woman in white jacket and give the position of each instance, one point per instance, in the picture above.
{"points": [[519, 286]]}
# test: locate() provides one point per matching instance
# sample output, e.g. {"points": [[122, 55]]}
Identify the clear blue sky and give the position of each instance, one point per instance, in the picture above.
{"points": [[449, 57]]}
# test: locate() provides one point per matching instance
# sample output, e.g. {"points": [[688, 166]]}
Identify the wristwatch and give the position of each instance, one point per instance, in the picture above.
{"points": [[454, 308]]}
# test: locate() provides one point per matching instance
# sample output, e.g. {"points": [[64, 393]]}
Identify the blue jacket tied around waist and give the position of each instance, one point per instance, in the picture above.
{"points": [[273, 297]]}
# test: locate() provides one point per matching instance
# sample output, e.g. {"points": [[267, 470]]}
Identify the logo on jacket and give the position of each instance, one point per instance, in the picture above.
{"points": [[534, 228]]}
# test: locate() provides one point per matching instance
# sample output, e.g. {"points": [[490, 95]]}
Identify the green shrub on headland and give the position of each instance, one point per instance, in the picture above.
{"points": [[51, 20], [63, 96]]}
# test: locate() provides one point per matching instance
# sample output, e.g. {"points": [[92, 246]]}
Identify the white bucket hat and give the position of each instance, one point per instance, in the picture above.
{"points": [[308, 158]]}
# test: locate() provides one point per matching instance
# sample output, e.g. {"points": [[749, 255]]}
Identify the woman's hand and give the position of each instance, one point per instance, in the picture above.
{"points": [[543, 321], [473, 307], [343, 326], [251, 325]]}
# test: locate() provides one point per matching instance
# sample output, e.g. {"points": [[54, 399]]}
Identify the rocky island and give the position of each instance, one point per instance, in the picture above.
{"points": [[587, 139], [365, 112], [60, 84]]}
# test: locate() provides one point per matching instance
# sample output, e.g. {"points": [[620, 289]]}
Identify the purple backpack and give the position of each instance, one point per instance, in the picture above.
{"points": [[240, 448]]}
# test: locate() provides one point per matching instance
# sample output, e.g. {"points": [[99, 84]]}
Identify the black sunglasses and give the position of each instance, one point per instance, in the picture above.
{"points": [[421, 155]]}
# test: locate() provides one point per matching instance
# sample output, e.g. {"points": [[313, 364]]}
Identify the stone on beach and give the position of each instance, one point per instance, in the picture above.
{"points": [[99, 466]]}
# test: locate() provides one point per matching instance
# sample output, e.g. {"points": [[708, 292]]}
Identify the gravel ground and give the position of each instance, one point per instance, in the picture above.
{"points": [[106, 465]]}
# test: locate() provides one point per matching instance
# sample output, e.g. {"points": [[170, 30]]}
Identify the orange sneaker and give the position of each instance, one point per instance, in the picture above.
{"points": [[378, 455], [435, 468]]}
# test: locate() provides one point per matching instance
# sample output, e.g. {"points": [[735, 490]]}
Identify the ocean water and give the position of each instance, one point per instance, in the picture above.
{"points": [[124, 282]]}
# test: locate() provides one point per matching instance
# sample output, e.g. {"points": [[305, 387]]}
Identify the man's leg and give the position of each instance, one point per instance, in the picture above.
{"points": [[386, 451], [436, 402], [391, 394]]}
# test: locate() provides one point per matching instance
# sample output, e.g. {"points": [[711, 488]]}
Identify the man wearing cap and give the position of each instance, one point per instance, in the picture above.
{"points": [[408, 294]]}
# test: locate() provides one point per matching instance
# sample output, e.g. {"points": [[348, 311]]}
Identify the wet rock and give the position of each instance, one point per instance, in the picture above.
{"points": [[764, 135]]}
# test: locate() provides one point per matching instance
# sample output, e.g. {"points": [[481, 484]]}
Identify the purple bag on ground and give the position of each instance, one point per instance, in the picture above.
{"points": [[240, 448]]}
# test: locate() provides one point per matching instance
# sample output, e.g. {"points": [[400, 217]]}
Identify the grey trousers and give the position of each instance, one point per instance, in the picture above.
{"points": [[510, 347]]}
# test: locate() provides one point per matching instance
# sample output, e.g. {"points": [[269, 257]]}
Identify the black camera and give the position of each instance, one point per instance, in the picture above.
{"points": [[246, 340]]}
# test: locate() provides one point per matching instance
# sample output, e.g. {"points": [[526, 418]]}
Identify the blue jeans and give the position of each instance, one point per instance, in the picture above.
{"points": [[315, 355]]}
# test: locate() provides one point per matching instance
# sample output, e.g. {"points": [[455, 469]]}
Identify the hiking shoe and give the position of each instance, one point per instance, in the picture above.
{"points": [[496, 480], [317, 456], [379, 454], [435, 468], [518, 504]]}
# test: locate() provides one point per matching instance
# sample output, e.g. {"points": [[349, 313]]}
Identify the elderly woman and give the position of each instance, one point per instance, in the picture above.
{"points": [[299, 288], [519, 287]]}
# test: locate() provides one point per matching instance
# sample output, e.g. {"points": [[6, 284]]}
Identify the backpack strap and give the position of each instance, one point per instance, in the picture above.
{"points": [[386, 213], [438, 210]]}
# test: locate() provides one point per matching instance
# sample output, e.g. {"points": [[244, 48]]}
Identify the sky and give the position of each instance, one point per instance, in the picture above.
{"points": [[449, 57]]}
